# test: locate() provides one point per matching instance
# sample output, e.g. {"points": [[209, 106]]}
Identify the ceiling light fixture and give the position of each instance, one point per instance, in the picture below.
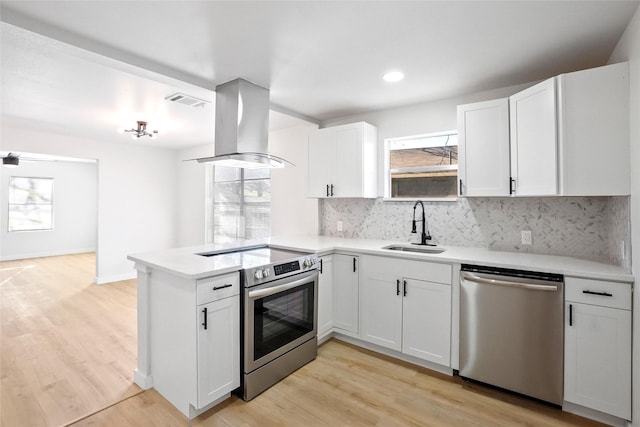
{"points": [[393, 76], [140, 131], [11, 161]]}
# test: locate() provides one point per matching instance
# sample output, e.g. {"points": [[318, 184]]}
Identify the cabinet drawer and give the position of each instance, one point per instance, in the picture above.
{"points": [[215, 288], [428, 271], [612, 294]]}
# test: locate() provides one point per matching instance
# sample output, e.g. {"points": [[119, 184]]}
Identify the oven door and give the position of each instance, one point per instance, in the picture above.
{"points": [[278, 317]]}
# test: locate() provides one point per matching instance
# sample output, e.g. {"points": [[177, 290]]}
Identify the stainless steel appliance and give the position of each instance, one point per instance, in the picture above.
{"points": [[511, 330], [280, 306]]}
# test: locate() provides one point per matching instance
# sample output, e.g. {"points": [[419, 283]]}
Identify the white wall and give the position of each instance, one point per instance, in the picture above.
{"points": [[136, 193], [628, 49], [191, 195], [291, 211], [75, 187]]}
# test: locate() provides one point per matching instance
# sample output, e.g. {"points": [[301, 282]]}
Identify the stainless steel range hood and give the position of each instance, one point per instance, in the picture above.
{"points": [[242, 127]]}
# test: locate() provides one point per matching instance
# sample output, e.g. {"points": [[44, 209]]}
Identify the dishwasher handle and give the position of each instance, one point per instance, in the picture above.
{"points": [[514, 282]]}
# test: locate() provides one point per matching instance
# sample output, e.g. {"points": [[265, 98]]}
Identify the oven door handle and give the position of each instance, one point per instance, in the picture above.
{"points": [[261, 293]]}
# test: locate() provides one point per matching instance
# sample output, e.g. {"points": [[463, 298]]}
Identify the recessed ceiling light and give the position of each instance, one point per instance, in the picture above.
{"points": [[393, 76]]}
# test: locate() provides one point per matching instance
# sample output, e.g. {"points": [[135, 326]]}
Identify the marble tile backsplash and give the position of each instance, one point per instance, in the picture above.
{"points": [[583, 227]]}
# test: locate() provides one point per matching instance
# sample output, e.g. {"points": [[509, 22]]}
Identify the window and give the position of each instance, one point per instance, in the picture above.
{"points": [[239, 204], [422, 167], [30, 204]]}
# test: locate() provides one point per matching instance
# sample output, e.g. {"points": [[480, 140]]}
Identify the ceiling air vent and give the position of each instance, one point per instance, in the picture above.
{"points": [[185, 99]]}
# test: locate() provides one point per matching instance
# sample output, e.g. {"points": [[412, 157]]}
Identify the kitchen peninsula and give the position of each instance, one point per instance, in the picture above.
{"points": [[182, 271]]}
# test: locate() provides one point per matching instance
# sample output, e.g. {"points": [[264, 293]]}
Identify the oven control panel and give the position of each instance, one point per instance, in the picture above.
{"points": [[286, 268], [261, 274]]}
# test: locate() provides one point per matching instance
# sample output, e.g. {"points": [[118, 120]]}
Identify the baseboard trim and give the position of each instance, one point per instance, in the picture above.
{"points": [[101, 280], [46, 254], [392, 353], [594, 415], [144, 381]]}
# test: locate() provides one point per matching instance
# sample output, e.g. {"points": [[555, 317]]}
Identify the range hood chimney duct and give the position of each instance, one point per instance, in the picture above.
{"points": [[242, 127]]}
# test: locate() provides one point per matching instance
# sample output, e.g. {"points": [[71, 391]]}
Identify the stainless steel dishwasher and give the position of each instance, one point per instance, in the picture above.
{"points": [[511, 330]]}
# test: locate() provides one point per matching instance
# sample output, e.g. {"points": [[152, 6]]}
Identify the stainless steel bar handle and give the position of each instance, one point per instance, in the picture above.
{"points": [[261, 293], [473, 277]]}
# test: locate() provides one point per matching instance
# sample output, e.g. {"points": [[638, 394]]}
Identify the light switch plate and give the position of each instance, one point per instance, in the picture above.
{"points": [[339, 225], [525, 236]]}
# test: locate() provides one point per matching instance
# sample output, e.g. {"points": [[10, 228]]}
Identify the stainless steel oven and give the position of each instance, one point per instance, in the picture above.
{"points": [[280, 306]]}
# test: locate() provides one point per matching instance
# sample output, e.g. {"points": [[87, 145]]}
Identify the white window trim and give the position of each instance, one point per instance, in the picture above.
{"points": [[31, 230]]}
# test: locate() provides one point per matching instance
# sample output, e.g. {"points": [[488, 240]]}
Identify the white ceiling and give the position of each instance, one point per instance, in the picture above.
{"points": [[85, 67]]}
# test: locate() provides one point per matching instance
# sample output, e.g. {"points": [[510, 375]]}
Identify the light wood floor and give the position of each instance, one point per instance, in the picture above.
{"points": [[68, 346], [68, 351]]}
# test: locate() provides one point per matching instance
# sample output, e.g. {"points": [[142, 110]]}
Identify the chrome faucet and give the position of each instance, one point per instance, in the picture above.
{"points": [[425, 233]]}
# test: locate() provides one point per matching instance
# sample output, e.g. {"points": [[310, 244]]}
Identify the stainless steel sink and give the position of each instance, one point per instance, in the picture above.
{"points": [[418, 249]]}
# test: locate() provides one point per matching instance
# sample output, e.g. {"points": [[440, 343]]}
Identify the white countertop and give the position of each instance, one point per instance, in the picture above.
{"points": [[186, 262]]}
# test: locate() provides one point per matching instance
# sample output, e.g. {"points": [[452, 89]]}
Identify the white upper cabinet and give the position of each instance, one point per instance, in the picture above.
{"points": [[593, 133], [567, 136], [483, 147], [343, 161], [534, 145], [321, 154]]}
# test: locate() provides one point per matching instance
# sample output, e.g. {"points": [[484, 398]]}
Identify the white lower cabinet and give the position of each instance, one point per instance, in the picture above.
{"points": [[218, 349], [426, 321], [406, 306], [346, 283], [194, 339], [325, 296], [598, 346]]}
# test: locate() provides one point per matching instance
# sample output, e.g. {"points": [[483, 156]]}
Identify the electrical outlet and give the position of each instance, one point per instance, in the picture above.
{"points": [[525, 236], [339, 225], [623, 251]]}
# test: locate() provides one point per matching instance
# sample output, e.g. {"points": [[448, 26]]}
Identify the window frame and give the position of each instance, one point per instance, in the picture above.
{"points": [[388, 171], [10, 204], [242, 204]]}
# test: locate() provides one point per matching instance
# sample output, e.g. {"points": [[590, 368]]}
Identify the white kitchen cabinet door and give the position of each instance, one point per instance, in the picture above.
{"points": [[483, 146], [594, 131], [406, 314], [347, 177], [381, 303], [534, 148], [598, 358], [218, 349], [345, 293], [325, 296], [426, 321], [320, 152], [343, 161]]}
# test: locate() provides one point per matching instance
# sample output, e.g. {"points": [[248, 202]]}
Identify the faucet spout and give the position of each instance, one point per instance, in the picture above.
{"points": [[424, 236]]}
